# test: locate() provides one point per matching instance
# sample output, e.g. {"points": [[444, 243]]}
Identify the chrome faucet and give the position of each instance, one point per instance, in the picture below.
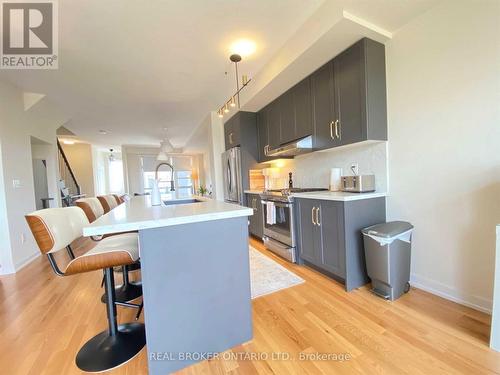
{"points": [[172, 168]]}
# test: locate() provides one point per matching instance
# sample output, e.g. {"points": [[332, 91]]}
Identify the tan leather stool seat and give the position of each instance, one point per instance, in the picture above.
{"points": [[109, 252]]}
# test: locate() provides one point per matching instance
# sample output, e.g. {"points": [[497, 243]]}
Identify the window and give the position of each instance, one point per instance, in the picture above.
{"points": [[116, 176], [183, 181]]}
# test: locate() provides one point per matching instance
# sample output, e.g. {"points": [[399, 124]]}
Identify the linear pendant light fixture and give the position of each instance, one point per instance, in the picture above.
{"points": [[235, 98]]}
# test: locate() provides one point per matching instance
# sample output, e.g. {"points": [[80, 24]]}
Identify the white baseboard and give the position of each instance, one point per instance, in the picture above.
{"points": [[478, 303], [26, 261]]}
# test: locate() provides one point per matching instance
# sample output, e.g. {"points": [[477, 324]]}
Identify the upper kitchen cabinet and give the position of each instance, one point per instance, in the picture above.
{"points": [[323, 107], [241, 130], [295, 108], [232, 131], [274, 123], [302, 109], [349, 97], [262, 130]]}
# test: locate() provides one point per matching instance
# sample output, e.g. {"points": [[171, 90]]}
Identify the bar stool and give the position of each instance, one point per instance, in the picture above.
{"points": [[56, 228], [108, 202], [128, 291]]}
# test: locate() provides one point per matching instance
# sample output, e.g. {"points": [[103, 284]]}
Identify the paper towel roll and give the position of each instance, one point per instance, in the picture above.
{"points": [[335, 179]]}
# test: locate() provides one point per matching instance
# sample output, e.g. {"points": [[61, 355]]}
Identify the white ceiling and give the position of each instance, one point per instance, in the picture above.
{"points": [[133, 68]]}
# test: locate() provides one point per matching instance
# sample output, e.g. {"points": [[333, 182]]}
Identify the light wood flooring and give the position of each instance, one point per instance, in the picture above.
{"points": [[45, 319]]}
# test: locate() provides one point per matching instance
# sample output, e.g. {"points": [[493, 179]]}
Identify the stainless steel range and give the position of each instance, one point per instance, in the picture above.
{"points": [[279, 221]]}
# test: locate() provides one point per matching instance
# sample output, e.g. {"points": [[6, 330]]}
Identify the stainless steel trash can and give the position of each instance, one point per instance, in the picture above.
{"points": [[388, 254]]}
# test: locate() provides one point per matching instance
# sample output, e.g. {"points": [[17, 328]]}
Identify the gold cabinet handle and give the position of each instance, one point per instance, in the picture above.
{"points": [[318, 223], [312, 215], [331, 130], [338, 132]]}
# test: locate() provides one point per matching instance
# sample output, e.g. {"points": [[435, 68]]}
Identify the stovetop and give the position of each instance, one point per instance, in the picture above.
{"points": [[285, 194]]}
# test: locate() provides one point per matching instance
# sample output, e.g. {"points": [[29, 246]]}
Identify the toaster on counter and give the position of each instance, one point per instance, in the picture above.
{"points": [[358, 184]]}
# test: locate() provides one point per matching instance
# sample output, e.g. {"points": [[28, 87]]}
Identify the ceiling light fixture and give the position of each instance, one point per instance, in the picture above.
{"points": [[103, 132], [111, 157], [165, 148], [235, 98], [243, 47], [68, 142]]}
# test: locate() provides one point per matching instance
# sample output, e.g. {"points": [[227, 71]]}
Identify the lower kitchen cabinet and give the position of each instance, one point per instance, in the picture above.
{"points": [[256, 221], [330, 239]]}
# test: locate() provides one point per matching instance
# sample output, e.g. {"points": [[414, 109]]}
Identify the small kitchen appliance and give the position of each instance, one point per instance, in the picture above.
{"points": [[359, 183]]}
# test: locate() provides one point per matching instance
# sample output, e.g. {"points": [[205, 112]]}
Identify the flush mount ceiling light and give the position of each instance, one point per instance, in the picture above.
{"points": [[68, 142], [166, 147], [235, 98], [243, 47], [103, 132]]}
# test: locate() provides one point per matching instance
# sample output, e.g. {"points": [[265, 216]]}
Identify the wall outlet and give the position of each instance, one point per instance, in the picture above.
{"points": [[16, 184], [355, 168]]}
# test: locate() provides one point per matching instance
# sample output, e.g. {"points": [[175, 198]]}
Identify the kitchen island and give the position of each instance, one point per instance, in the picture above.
{"points": [[195, 276]]}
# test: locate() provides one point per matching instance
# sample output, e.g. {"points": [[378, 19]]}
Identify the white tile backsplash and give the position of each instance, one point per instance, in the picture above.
{"points": [[313, 170]]}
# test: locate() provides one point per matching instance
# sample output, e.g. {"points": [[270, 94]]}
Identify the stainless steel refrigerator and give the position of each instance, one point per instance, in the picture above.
{"points": [[231, 171]]}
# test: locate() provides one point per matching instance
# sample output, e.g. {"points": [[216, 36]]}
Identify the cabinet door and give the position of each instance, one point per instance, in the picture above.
{"points": [[331, 222], [323, 107], [308, 231], [274, 124], [262, 130], [349, 94], [252, 219], [287, 120], [232, 131], [258, 218], [302, 107]]}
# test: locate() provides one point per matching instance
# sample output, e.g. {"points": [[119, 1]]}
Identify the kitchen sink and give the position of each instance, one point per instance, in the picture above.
{"points": [[181, 201]]}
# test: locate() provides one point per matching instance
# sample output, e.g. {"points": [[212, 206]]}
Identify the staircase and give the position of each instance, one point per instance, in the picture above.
{"points": [[70, 190]]}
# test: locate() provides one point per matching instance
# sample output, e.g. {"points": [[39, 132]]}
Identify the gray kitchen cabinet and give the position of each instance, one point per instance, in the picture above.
{"points": [[241, 130], [330, 239], [330, 220], [323, 107], [309, 232], [287, 117], [263, 135], [349, 97], [343, 102], [360, 91], [256, 221], [302, 107], [232, 131], [274, 123]]}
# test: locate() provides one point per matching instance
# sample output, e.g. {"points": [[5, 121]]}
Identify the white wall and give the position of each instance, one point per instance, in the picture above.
{"points": [[16, 127], [444, 145], [80, 156], [208, 141]]}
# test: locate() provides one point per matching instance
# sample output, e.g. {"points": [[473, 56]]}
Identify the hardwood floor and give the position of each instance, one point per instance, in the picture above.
{"points": [[45, 319]]}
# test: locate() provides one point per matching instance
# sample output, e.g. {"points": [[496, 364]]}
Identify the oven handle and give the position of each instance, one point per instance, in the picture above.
{"points": [[277, 204]]}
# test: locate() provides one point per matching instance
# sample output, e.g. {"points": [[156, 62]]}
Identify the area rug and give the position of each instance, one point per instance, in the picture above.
{"points": [[267, 276]]}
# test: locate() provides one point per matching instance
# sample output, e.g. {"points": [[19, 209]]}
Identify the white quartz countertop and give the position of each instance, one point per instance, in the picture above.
{"points": [[138, 214], [338, 195]]}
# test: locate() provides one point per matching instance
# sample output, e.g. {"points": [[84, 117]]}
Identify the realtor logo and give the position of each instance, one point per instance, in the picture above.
{"points": [[29, 35]]}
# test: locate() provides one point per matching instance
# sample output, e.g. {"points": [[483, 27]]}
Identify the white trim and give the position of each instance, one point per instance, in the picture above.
{"points": [[475, 302], [368, 25], [18, 267]]}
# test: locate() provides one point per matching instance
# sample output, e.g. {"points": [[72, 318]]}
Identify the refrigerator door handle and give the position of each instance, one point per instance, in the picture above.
{"points": [[229, 179]]}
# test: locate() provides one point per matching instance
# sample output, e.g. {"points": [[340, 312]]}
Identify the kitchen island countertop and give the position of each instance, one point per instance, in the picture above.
{"points": [[138, 214]]}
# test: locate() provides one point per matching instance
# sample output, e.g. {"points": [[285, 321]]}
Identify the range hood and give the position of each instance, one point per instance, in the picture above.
{"points": [[301, 146]]}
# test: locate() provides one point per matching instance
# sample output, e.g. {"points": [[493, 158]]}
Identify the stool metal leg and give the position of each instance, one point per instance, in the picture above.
{"points": [[115, 346], [128, 291]]}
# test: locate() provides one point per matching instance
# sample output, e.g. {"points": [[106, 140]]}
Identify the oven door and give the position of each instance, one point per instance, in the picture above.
{"points": [[282, 230]]}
